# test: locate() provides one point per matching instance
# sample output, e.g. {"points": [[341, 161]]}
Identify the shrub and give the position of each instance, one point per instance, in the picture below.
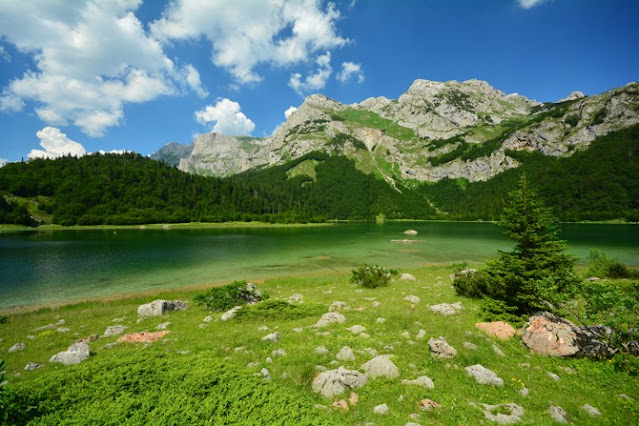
{"points": [[3, 319], [572, 120], [225, 297], [279, 310], [471, 284], [603, 267], [372, 276]]}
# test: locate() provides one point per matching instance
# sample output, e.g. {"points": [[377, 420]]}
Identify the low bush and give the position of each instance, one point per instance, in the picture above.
{"points": [[3, 320], [600, 265], [471, 284], [279, 310], [372, 276], [230, 295]]}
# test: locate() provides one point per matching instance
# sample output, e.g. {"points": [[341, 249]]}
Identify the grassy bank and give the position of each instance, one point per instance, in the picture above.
{"points": [[166, 226], [197, 374]]}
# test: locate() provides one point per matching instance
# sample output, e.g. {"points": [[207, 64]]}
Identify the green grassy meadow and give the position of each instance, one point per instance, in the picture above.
{"points": [[197, 374]]}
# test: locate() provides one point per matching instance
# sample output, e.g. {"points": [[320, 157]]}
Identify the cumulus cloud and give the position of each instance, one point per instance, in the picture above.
{"points": [[350, 70], [245, 34], [3, 162], [193, 80], [289, 111], [56, 144], [527, 4], [91, 58], [315, 81], [228, 118]]}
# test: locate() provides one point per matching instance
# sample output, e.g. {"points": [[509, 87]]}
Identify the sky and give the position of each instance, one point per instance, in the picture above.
{"points": [[112, 75]]}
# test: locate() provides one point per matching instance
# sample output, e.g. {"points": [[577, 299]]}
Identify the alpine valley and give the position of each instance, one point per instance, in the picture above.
{"points": [[443, 150]]}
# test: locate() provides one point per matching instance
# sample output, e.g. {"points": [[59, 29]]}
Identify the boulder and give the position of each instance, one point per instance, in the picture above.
{"points": [[18, 347], [345, 354], [407, 277], [558, 414], [498, 351], [380, 366], [592, 411], [503, 414], [143, 337], [412, 299], [160, 307], [336, 306], [321, 350], [446, 308], [428, 404], [441, 349], [422, 381], [114, 330], [381, 409], [499, 329], [230, 314], [75, 354], [271, 338], [469, 345], [330, 318], [356, 329], [32, 366], [547, 334], [484, 376], [334, 382]]}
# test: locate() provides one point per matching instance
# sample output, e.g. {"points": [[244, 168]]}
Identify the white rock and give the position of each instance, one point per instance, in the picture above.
{"points": [[32, 366], [376, 304], [278, 352], [345, 354], [407, 277], [230, 314], [18, 347], [380, 320], [496, 413], [380, 366], [524, 392], [272, 338], [356, 329], [265, 374], [163, 326], [498, 351], [334, 382], [296, 298], [469, 345], [558, 414], [75, 354], [381, 409], [446, 308], [412, 299], [484, 376], [207, 318], [62, 330], [298, 330], [321, 350], [336, 306], [421, 334], [592, 411], [422, 381], [160, 307], [441, 349], [553, 376], [330, 318], [114, 330]]}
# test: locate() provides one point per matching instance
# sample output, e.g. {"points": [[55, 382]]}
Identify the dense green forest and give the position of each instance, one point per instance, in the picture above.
{"points": [[131, 189], [599, 183]]}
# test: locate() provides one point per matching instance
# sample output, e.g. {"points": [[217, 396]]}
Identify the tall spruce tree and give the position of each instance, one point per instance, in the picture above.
{"points": [[538, 271]]}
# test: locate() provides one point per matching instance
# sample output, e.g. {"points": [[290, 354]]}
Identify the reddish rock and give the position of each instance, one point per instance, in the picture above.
{"points": [[499, 329], [428, 404], [145, 336], [88, 339]]}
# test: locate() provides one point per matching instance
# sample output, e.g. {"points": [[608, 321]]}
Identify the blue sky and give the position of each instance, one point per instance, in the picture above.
{"points": [[84, 76]]}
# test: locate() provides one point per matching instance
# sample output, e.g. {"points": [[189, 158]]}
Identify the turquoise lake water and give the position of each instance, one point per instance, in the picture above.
{"points": [[38, 267]]}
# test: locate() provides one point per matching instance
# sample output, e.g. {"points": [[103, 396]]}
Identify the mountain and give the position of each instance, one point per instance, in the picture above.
{"points": [[434, 131]]}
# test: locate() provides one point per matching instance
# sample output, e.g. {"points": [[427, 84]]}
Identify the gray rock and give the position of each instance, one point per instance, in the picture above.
{"points": [[553, 376], [446, 308], [29, 337], [269, 360], [45, 327], [18, 347], [321, 350], [272, 338], [330, 318], [296, 298], [114, 330], [558, 414], [298, 330], [336, 306], [345, 354], [496, 413], [163, 326], [62, 330], [334, 382], [381, 409], [469, 345], [380, 366], [484, 376], [380, 320], [498, 351], [265, 374], [592, 411], [407, 277], [356, 329], [32, 366], [441, 349], [160, 307], [421, 334], [60, 322], [422, 381], [207, 318], [117, 320], [230, 314], [278, 352], [412, 299], [524, 392], [75, 354]]}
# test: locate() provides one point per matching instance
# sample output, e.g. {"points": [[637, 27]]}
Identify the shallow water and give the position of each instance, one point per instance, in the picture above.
{"points": [[52, 266]]}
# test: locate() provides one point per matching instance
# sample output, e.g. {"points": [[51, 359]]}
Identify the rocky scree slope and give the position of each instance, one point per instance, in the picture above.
{"points": [[435, 130]]}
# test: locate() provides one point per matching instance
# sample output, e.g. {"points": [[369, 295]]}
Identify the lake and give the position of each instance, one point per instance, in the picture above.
{"points": [[38, 267]]}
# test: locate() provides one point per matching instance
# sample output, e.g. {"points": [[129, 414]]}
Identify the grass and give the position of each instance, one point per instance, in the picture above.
{"points": [[305, 168], [370, 119], [182, 359]]}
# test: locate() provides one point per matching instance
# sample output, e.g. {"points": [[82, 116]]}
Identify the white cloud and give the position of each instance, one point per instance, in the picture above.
{"points": [[245, 34], [193, 80], [350, 70], [289, 111], [227, 118], [527, 4], [56, 144], [314, 81], [91, 58]]}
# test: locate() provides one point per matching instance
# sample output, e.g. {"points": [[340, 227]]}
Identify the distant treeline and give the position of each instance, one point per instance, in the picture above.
{"points": [[599, 183]]}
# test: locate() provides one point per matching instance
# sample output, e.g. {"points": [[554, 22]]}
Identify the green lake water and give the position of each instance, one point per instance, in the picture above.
{"points": [[38, 267]]}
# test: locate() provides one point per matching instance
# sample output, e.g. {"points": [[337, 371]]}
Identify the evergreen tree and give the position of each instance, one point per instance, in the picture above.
{"points": [[537, 271]]}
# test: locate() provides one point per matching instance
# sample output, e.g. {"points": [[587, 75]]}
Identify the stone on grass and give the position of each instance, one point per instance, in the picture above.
{"points": [[410, 232], [341, 405], [321, 350], [296, 298], [163, 326], [412, 299], [266, 375], [422, 381], [498, 329], [427, 404], [503, 414], [269, 360], [553, 376], [330, 318], [230, 314], [32, 366], [558, 414], [62, 330], [421, 334], [271, 338], [592, 411], [498, 351], [446, 308], [88, 339], [353, 399], [376, 304], [380, 366], [278, 352], [441, 349], [334, 382], [524, 392], [29, 337], [114, 330], [75, 354], [381, 409], [45, 327], [336, 306], [356, 329], [207, 318], [143, 337], [118, 319], [484, 376], [407, 277], [469, 345], [160, 307], [298, 330], [380, 320], [18, 347], [345, 354]]}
